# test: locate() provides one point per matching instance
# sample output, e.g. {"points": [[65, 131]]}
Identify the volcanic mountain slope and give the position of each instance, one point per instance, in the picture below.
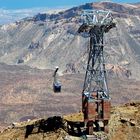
{"points": [[124, 125], [27, 93], [45, 40]]}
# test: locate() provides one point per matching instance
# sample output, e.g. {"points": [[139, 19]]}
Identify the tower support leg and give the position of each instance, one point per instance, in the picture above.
{"points": [[90, 127], [106, 126]]}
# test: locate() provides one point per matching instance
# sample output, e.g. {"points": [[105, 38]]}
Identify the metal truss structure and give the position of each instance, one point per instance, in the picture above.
{"points": [[95, 96]]}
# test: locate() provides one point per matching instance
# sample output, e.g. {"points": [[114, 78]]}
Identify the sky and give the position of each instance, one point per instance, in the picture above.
{"points": [[24, 4]]}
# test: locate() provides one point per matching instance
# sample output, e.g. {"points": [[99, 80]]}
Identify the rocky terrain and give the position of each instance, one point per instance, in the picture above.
{"points": [[32, 47], [44, 40], [27, 93], [124, 125]]}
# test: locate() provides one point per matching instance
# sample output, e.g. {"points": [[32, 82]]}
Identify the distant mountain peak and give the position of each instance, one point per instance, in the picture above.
{"points": [[57, 32]]}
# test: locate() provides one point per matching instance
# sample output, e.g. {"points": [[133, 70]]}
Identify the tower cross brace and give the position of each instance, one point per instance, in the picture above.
{"points": [[95, 96]]}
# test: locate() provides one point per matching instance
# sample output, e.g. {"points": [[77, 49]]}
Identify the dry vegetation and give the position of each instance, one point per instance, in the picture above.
{"points": [[124, 125]]}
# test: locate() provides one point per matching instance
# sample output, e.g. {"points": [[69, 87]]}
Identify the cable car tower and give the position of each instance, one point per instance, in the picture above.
{"points": [[95, 96]]}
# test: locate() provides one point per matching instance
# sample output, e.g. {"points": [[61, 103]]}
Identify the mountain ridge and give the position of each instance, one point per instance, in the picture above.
{"points": [[37, 43], [45, 40]]}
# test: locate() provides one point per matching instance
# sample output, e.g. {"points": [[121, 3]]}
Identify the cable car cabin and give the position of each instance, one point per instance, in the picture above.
{"points": [[56, 82], [57, 87]]}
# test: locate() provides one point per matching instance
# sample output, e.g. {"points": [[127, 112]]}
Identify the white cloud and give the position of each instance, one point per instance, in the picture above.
{"points": [[7, 16]]}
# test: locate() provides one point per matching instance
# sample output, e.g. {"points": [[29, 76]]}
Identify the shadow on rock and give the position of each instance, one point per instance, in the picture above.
{"points": [[52, 124]]}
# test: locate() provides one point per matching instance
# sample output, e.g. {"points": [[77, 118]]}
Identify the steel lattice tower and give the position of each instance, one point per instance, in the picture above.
{"points": [[95, 95]]}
